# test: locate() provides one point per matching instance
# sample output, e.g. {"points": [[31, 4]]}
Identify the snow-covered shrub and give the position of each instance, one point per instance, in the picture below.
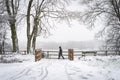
{"points": [[9, 59]]}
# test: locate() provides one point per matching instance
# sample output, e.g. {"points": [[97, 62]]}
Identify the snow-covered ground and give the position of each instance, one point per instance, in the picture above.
{"points": [[84, 68]]}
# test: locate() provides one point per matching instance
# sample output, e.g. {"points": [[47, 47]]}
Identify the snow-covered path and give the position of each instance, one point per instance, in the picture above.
{"points": [[89, 68], [57, 71]]}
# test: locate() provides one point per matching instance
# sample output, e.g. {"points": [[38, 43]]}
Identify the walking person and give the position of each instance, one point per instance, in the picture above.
{"points": [[60, 53]]}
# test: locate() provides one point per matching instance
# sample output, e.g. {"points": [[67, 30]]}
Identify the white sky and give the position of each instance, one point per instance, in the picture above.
{"points": [[64, 33]]}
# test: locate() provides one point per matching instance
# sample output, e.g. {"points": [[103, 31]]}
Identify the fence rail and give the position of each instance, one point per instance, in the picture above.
{"points": [[76, 52], [51, 53]]}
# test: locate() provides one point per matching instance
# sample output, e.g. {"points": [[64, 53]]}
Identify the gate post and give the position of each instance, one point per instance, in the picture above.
{"points": [[70, 54], [38, 55]]}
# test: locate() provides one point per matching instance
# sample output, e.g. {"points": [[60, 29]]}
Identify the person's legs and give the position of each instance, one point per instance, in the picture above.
{"points": [[59, 56], [62, 56]]}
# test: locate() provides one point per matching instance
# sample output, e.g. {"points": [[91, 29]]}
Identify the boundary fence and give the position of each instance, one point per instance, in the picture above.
{"points": [[69, 54], [51, 53]]}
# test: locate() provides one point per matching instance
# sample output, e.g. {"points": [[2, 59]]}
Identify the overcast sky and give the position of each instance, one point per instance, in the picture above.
{"points": [[64, 33]]}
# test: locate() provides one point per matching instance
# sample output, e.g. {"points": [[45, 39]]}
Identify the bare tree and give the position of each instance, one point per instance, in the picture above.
{"points": [[29, 36], [2, 26], [12, 7], [107, 11], [44, 12]]}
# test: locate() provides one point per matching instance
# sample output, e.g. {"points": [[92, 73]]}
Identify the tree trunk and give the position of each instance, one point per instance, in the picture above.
{"points": [[34, 37], [3, 42], [14, 37], [34, 43], [35, 31], [28, 44], [12, 21], [29, 37]]}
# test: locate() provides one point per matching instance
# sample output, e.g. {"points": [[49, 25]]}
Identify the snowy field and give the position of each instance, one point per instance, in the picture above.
{"points": [[86, 68]]}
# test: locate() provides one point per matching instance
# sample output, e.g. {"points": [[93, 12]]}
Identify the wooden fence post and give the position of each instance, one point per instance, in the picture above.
{"points": [[38, 55], [106, 53], [47, 54], [70, 54], [95, 53], [118, 52], [83, 54]]}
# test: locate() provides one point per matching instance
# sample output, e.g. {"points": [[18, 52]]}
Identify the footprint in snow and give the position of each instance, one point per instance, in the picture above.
{"points": [[89, 75], [111, 79], [71, 73], [83, 77], [77, 70]]}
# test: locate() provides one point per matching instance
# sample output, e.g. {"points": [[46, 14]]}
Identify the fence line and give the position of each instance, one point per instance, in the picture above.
{"points": [[76, 52], [50, 53]]}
